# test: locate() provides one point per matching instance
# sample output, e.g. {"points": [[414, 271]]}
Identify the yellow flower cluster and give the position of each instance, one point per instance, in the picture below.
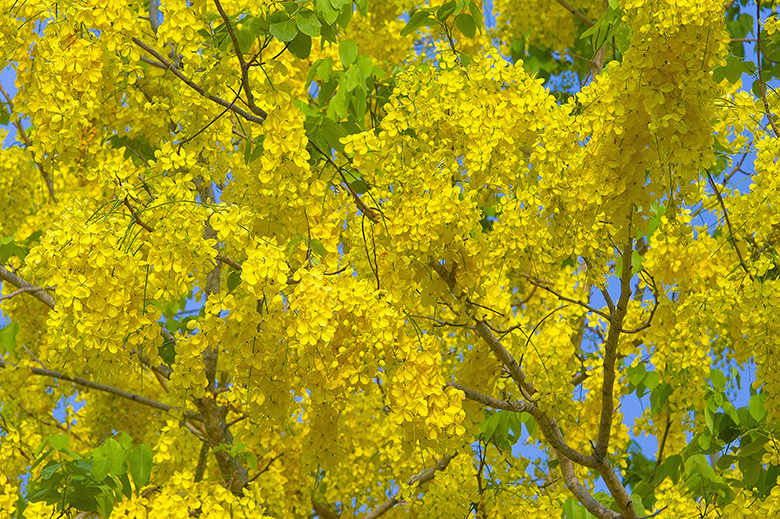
{"points": [[101, 307], [422, 406]]}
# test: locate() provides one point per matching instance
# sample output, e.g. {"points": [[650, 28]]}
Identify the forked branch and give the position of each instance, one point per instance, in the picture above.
{"points": [[421, 478]]}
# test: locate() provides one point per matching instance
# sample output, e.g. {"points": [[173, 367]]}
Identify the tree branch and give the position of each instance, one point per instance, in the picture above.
{"points": [[489, 401], [584, 19], [581, 493], [178, 73], [728, 223], [28, 143], [759, 46], [154, 15], [610, 354], [23, 290], [37, 292], [539, 283], [102, 387], [421, 478], [250, 98]]}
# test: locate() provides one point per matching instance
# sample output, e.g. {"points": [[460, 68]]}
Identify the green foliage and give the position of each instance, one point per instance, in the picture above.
{"points": [[8, 337], [10, 248], [504, 428], [468, 17], [90, 482]]}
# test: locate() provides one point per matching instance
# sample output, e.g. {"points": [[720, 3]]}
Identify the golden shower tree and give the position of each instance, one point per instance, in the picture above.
{"points": [[342, 258]]}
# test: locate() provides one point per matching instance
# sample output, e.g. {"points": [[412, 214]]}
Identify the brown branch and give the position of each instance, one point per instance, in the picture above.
{"points": [[250, 98], [421, 478], [23, 290], [584, 19], [37, 292], [760, 76], [323, 510], [28, 143], [102, 387], [178, 73], [135, 216], [539, 283], [372, 214], [582, 494], [610, 354], [56, 423], [229, 262], [728, 223], [489, 401]]}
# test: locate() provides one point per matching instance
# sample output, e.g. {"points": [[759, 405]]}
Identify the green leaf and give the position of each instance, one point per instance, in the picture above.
{"points": [[659, 211], [770, 46], [105, 504], [651, 380], [233, 280], [708, 420], [167, 352], [718, 379], [324, 68], [359, 186], [659, 397], [140, 462], [604, 28], [756, 407], [300, 46], [5, 118], [337, 109], [247, 151], [489, 425], [345, 16], [50, 469], [348, 52], [308, 23], [476, 13], [291, 247], [317, 247], [245, 39], [669, 468], [636, 374], [127, 490], [59, 441], [636, 262], [362, 7], [751, 446], [8, 337], [733, 69], [284, 31], [465, 24], [416, 21], [353, 78], [326, 9], [445, 10]]}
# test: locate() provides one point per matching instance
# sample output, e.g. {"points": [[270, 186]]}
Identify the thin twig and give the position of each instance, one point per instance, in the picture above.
{"points": [[421, 478], [584, 19], [539, 283], [37, 292], [250, 99], [489, 401], [135, 216], [760, 76], [102, 387], [178, 73], [28, 143], [23, 290], [728, 223], [229, 262]]}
